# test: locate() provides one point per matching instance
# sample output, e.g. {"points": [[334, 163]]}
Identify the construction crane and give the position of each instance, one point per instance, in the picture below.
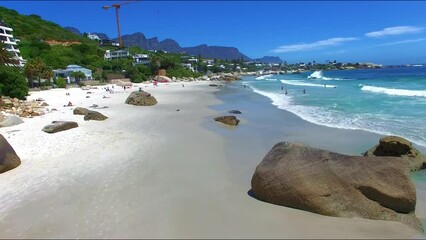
{"points": [[117, 6]]}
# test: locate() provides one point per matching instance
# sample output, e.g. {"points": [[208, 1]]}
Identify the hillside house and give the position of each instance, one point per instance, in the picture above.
{"points": [[119, 54], [66, 73]]}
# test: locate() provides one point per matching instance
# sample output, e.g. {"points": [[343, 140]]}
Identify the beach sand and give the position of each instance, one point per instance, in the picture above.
{"points": [[154, 172]]}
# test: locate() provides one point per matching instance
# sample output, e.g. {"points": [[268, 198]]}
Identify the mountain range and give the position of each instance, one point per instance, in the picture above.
{"points": [[170, 45]]}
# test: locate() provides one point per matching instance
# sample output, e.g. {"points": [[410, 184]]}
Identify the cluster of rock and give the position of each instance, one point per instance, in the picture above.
{"points": [[59, 126], [141, 98], [374, 186], [210, 77], [22, 108], [228, 76], [89, 114]]}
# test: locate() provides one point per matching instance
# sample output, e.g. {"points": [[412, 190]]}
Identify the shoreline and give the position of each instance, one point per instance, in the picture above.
{"points": [[155, 172]]}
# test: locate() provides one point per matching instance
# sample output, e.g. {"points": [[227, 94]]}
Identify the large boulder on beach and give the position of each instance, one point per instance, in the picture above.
{"points": [[8, 158], [141, 98], [228, 120], [337, 185], [58, 126], [80, 111], [11, 120], [94, 115], [395, 146]]}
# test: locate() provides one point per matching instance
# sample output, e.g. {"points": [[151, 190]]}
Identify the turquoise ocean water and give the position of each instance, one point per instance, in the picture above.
{"points": [[385, 101]]}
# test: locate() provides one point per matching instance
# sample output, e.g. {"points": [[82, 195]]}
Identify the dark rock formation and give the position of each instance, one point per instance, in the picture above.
{"points": [[141, 99], [219, 52], [93, 115], [58, 126], [235, 112], [229, 120], [399, 147], [8, 158], [170, 45], [80, 111], [336, 185]]}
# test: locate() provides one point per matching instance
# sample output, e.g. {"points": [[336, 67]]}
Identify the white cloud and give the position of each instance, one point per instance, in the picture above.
{"points": [[312, 46], [405, 41], [395, 31]]}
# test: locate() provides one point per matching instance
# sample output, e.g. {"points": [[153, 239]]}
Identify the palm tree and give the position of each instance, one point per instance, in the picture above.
{"points": [[34, 69]]}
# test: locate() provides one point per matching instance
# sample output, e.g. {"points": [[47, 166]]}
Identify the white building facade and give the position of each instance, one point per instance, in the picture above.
{"points": [[11, 43]]}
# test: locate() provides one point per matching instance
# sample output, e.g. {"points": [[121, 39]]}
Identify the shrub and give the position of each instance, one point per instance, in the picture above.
{"points": [[12, 82], [61, 82]]}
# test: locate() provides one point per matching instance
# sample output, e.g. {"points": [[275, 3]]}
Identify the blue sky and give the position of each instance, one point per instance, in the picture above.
{"points": [[382, 32]]}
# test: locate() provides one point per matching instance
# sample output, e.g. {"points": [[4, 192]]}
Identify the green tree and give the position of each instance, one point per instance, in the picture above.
{"points": [[12, 82], [36, 69], [78, 76], [61, 82]]}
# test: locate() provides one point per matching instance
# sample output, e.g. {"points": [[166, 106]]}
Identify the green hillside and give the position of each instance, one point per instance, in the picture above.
{"points": [[32, 27], [33, 31]]}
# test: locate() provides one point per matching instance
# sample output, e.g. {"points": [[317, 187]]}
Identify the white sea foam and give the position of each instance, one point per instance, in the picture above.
{"points": [[336, 119], [270, 79], [315, 75], [263, 77], [394, 91], [278, 99], [318, 75], [300, 83]]}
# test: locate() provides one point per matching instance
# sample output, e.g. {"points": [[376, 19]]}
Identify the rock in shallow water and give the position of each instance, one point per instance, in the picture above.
{"points": [[229, 120], [399, 147], [8, 158], [336, 185], [58, 126]]}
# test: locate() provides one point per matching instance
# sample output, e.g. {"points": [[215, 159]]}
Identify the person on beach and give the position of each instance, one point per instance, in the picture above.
{"points": [[140, 89], [286, 92], [282, 88], [183, 85], [304, 91], [245, 86]]}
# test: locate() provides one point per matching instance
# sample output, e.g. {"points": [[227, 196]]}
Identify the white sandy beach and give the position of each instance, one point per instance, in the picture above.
{"points": [[146, 172]]}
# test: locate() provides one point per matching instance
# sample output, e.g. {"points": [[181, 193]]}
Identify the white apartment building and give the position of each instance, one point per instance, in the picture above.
{"points": [[119, 54], [11, 43]]}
